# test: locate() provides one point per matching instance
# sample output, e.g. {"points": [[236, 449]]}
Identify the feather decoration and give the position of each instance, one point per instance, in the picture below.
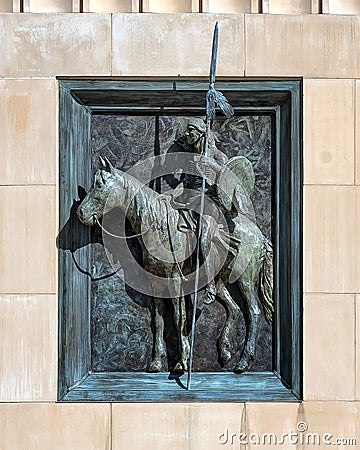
{"points": [[216, 98], [223, 104]]}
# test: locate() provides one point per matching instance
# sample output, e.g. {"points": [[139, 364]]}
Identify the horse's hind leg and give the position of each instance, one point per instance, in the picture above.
{"points": [[253, 317], [159, 349], [232, 315]]}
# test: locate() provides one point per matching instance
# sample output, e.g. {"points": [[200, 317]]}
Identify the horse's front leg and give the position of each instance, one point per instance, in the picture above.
{"points": [[253, 319], [183, 340], [232, 315], [159, 352]]}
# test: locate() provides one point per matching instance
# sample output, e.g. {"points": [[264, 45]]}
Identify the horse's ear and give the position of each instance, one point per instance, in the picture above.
{"points": [[107, 164], [102, 161]]}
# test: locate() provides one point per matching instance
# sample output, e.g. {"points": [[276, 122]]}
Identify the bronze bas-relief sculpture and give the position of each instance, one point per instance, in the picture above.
{"points": [[196, 221], [165, 226]]}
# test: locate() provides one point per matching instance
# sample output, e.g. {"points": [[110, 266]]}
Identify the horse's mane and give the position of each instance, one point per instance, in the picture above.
{"points": [[143, 198]]}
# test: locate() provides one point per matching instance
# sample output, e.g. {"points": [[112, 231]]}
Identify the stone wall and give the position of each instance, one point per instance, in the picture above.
{"points": [[185, 6], [34, 49]]}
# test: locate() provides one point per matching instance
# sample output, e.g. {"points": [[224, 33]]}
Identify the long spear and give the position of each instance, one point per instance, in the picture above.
{"points": [[213, 98]]}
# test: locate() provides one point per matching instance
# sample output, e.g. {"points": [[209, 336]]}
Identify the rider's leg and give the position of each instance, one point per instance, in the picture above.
{"points": [[207, 233], [242, 202]]}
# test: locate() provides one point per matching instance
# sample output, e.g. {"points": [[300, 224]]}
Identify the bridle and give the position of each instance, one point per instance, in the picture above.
{"points": [[152, 225], [96, 220]]}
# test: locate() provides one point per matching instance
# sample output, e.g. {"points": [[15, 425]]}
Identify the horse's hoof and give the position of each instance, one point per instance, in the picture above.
{"points": [[224, 348], [225, 357], [178, 368], [155, 366], [243, 365], [240, 368]]}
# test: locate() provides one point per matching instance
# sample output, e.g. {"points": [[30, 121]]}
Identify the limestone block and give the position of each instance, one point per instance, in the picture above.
{"points": [[171, 6], [173, 425], [265, 423], [301, 425], [227, 6], [172, 45], [53, 426], [329, 131], [308, 45], [335, 423], [6, 5], [28, 131], [341, 6], [163, 426], [16, 5], [289, 6], [35, 45], [331, 239], [208, 423], [28, 239], [28, 348], [357, 132], [357, 350], [110, 6], [48, 6], [329, 347]]}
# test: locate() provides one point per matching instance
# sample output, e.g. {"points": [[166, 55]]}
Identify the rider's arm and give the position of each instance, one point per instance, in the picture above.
{"points": [[216, 160]]}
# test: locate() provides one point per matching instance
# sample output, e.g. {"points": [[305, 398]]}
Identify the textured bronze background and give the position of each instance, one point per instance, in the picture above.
{"points": [[121, 337]]}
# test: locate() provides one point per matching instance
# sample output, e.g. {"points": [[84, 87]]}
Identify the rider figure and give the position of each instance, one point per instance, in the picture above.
{"points": [[193, 141]]}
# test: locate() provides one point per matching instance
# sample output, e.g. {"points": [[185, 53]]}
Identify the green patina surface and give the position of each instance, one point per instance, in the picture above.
{"points": [[79, 101]]}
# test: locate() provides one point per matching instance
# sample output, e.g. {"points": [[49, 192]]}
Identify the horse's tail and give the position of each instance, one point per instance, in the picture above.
{"points": [[266, 280]]}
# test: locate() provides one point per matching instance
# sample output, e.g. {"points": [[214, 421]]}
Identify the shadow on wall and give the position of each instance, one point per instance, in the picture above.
{"points": [[74, 235]]}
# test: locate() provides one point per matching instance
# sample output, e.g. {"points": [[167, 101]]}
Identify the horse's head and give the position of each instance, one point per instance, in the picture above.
{"points": [[100, 199]]}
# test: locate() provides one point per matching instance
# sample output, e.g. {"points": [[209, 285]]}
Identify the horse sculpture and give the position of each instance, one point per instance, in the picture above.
{"points": [[154, 220]]}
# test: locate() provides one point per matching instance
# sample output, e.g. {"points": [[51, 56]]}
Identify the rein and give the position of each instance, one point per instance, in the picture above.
{"points": [[142, 234], [171, 245], [122, 237], [85, 272]]}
